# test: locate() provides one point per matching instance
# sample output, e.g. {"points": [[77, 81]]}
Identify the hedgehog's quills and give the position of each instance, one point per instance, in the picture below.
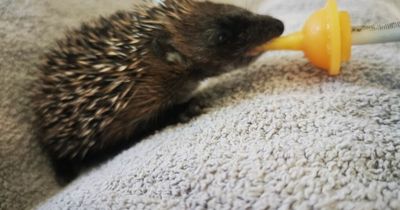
{"points": [[109, 78]]}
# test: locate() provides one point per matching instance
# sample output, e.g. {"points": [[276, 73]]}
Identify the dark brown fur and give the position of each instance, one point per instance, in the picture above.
{"points": [[110, 78]]}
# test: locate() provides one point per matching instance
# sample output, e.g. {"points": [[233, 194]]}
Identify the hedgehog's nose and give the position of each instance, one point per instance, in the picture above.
{"points": [[279, 27], [274, 27]]}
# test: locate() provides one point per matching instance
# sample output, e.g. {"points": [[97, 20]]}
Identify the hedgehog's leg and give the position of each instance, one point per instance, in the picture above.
{"points": [[65, 170], [187, 110]]}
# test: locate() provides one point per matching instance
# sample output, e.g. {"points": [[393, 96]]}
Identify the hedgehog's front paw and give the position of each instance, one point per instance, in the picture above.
{"points": [[190, 112], [192, 108], [184, 112]]}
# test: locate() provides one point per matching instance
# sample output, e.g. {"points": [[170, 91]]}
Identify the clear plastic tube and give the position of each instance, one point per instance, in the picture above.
{"points": [[376, 34]]}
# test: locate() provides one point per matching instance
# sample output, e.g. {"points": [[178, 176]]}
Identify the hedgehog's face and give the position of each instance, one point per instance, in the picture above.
{"points": [[223, 35]]}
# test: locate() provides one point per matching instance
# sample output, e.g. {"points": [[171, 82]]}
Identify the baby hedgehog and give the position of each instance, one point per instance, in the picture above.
{"points": [[111, 78]]}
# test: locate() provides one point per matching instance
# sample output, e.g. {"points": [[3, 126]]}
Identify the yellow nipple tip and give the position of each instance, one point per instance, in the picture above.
{"points": [[325, 39]]}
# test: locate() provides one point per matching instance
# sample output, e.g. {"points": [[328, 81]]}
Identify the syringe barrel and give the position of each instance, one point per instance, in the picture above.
{"points": [[376, 34]]}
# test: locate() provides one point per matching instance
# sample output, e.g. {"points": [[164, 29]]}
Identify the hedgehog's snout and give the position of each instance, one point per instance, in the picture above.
{"points": [[270, 27], [278, 27]]}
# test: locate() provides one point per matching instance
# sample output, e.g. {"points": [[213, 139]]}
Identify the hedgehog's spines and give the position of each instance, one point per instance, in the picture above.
{"points": [[88, 81]]}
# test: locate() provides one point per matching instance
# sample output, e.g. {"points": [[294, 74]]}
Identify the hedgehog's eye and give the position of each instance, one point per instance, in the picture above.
{"points": [[223, 37]]}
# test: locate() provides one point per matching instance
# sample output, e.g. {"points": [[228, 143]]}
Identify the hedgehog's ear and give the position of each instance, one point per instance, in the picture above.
{"points": [[160, 46], [163, 49]]}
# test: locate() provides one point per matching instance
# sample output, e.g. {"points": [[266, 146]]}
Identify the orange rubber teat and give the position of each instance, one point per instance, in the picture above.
{"points": [[325, 39]]}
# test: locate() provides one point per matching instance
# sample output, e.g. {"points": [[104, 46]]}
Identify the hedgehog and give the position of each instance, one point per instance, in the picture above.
{"points": [[112, 77]]}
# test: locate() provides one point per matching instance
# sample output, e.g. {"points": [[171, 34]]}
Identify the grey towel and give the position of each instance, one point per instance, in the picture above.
{"points": [[279, 134]]}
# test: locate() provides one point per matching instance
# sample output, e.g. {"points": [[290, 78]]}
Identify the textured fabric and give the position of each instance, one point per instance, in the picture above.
{"points": [[27, 28], [278, 134]]}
